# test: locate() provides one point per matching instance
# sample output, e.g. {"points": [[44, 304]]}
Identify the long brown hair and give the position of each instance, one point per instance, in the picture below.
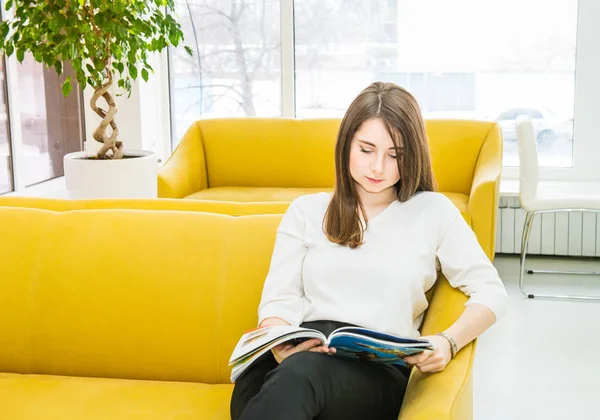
{"points": [[400, 113]]}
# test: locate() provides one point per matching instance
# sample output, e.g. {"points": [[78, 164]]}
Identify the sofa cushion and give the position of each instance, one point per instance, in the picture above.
{"points": [[129, 294], [25, 397]]}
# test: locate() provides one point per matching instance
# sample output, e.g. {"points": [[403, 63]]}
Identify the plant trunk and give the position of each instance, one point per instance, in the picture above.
{"points": [[108, 118]]}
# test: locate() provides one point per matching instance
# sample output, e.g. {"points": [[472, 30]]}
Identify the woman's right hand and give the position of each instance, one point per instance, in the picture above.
{"points": [[284, 350]]}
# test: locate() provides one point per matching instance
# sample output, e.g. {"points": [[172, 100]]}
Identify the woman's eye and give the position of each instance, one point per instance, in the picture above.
{"points": [[392, 156], [365, 150]]}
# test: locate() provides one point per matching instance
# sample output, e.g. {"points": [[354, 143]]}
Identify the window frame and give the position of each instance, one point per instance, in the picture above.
{"points": [[586, 144]]}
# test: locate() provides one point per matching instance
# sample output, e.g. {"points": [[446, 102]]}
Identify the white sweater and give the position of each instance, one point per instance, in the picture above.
{"points": [[382, 283]]}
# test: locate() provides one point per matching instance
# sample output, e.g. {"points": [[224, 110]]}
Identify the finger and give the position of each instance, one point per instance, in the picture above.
{"points": [[413, 360], [283, 347], [307, 345], [433, 363], [431, 368], [418, 358], [319, 349]]}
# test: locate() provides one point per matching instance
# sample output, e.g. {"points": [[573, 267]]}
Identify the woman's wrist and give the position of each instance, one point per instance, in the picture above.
{"points": [[453, 346]]}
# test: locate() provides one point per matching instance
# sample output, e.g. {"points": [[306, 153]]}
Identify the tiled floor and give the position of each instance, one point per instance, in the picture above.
{"points": [[542, 360]]}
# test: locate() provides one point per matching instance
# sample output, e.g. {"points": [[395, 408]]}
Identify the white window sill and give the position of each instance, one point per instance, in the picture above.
{"points": [[509, 187], [53, 188]]}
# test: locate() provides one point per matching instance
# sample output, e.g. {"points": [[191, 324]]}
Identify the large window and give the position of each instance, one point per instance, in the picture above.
{"points": [[6, 182], [236, 69], [491, 60], [50, 124]]}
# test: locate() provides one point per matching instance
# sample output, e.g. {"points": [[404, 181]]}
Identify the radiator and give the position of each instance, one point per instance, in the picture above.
{"points": [[573, 234]]}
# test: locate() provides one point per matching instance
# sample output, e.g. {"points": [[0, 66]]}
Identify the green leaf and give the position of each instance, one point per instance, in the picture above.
{"points": [[66, 87], [20, 55], [8, 5], [189, 51], [119, 66], [145, 75], [58, 66], [4, 29], [98, 65], [9, 50], [132, 71], [81, 80]]}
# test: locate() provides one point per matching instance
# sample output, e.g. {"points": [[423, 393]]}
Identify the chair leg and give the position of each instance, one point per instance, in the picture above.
{"points": [[524, 242], [586, 273]]}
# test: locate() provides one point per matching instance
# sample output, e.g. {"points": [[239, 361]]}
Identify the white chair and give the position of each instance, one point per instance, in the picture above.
{"points": [[548, 197]]}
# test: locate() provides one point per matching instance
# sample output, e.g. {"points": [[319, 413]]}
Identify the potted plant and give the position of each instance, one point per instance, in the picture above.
{"points": [[105, 42]]}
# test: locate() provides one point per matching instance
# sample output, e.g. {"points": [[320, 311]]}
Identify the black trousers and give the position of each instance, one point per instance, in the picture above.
{"points": [[309, 385]]}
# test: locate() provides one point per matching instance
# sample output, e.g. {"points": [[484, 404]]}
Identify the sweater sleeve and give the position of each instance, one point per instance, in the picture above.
{"points": [[467, 267], [283, 290]]}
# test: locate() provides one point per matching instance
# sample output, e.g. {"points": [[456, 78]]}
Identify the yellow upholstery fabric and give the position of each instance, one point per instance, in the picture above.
{"points": [[250, 194], [94, 304], [248, 159], [27, 397], [259, 201], [233, 208]]}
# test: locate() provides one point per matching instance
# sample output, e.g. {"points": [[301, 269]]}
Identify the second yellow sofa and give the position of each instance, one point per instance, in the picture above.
{"points": [[279, 159]]}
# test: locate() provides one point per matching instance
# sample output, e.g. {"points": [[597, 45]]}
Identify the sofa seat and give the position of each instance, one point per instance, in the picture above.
{"points": [[28, 397], [257, 194]]}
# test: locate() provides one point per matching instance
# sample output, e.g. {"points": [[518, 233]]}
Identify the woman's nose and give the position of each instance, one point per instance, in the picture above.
{"points": [[377, 166]]}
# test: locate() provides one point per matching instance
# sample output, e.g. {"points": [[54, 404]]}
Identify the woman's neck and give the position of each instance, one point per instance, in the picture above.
{"points": [[377, 200]]}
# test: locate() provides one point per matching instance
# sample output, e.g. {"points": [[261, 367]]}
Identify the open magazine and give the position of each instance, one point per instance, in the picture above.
{"points": [[353, 342]]}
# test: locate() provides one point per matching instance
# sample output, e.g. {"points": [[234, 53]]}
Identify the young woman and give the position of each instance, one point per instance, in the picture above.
{"points": [[365, 255]]}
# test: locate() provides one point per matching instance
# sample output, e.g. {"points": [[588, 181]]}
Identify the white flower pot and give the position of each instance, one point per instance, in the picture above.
{"points": [[131, 177]]}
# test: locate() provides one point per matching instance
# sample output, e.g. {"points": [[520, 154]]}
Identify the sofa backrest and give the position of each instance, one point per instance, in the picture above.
{"points": [[233, 208], [157, 295], [286, 152]]}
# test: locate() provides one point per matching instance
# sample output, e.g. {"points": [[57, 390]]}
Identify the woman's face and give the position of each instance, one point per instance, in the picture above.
{"points": [[373, 163]]}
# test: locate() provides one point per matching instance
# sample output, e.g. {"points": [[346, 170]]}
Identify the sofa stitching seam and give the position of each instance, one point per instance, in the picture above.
{"points": [[33, 286]]}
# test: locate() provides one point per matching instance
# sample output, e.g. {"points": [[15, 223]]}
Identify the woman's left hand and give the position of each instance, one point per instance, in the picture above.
{"points": [[435, 360]]}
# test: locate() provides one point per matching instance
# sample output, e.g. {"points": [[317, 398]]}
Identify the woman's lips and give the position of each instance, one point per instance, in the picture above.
{"points": [[375, 181]]}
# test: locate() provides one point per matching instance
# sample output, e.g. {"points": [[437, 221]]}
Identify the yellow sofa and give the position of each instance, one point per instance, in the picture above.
{"points": [[132, 314], [278, 159]]}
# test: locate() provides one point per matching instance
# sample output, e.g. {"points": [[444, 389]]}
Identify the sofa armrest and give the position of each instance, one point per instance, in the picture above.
{"points": [[446, 395], [185, 172], [485, 190]]}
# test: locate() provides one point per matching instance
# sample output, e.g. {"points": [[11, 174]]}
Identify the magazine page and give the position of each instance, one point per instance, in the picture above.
{"points": [[255, 339], [372, 350], [243, 362], [378, 335]]}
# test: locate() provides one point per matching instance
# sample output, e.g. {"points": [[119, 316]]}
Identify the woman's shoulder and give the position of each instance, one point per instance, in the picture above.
{"points": [[315, 199], [434, 203], [432, 198], [310, 205]]}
